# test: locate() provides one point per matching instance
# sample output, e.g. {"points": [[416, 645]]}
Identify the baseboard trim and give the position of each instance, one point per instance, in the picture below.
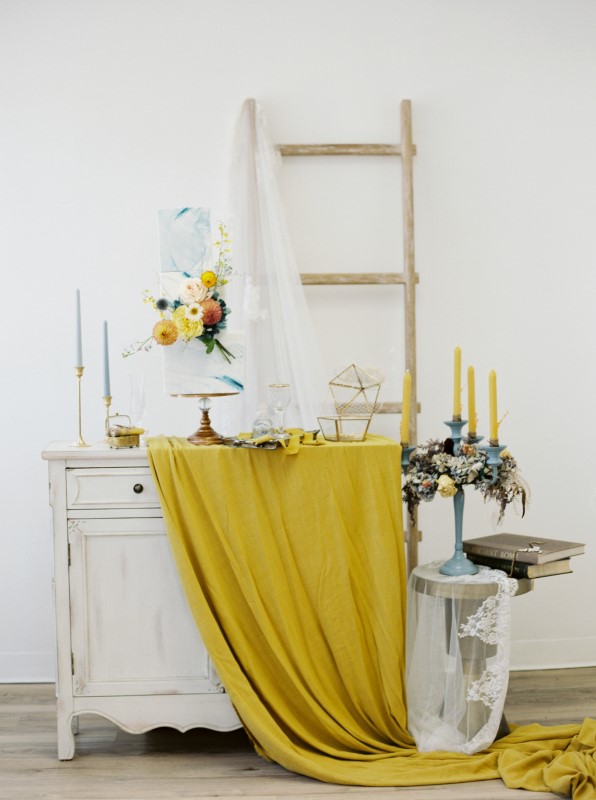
{"points": [[27, 667], [525, 655], [553, 653]]}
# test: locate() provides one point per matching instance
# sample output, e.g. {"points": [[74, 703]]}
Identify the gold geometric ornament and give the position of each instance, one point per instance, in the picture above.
{"points": [[355, 392]]}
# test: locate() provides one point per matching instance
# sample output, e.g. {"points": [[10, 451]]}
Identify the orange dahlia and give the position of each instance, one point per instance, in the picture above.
{"points": [[165, 332], [212, 312]]}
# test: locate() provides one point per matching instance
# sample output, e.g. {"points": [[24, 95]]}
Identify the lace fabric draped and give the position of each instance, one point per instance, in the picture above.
{"points": [[267, 295], [458, 648]]}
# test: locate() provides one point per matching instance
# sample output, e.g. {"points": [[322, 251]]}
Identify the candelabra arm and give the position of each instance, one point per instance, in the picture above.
{"points": [[494, 459], [475, 440], [406, 452]]}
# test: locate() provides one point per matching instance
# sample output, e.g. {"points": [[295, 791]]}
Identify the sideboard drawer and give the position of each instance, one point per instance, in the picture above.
{"points": [[122, 487]]}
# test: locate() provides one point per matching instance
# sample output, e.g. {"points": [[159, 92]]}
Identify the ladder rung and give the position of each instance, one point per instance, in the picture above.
{"points": [[341, 149], [388, 408], [392, 408], [352, 278]]}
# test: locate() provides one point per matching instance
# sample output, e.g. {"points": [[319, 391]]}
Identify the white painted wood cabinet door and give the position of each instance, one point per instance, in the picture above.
{"points": [[132, 632]]}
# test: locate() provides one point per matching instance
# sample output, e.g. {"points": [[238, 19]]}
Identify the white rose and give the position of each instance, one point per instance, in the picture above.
{"points": [[192, 291]]}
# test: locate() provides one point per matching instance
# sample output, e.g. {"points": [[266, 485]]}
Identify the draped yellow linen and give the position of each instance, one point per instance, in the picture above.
{"points": [[294, 571]]}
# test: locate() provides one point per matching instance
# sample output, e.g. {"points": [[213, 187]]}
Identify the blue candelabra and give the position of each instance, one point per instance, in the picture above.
{"points": [[459, 563]]}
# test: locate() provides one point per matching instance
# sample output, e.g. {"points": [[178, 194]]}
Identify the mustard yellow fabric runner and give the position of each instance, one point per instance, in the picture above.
{"points": [[294, 571]]}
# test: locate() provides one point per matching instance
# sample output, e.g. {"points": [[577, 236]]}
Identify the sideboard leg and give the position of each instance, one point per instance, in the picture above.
{"points": [[66, 742]]}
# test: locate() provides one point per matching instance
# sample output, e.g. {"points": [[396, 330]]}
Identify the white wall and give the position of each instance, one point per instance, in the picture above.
{"points": [[112, 109]]}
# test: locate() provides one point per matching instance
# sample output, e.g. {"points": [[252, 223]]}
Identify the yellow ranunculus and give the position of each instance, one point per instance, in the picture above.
{"points": [[187, 328], [209, 278], [446, 486]]}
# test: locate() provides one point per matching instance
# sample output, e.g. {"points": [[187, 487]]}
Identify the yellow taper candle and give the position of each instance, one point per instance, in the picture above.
{"points": [[457, 383], [471, 403], [492, 402], [405, 410]]}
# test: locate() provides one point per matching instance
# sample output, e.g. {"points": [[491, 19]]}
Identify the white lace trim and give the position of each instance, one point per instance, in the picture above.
{"points": [[488, 688], [490, 622]]}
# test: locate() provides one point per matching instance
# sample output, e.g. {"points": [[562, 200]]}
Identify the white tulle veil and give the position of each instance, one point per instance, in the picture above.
{"points": [[266, 294]]}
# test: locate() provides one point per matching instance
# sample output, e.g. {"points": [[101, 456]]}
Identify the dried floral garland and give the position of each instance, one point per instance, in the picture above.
{"points": [[434, 467]]}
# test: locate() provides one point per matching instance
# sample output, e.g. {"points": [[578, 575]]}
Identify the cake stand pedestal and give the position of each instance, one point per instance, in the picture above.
{"points": [[205, 435]]}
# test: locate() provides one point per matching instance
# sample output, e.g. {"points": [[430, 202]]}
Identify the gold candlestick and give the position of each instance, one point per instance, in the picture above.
{"points": [[80, 441], [107, 401]]}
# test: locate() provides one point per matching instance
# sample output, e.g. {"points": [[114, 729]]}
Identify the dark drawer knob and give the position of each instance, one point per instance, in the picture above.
{"points": [[138, 488]]}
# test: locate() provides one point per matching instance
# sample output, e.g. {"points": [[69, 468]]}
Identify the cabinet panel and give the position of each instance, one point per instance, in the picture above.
{"points": [[132, 630], [126, 487]]}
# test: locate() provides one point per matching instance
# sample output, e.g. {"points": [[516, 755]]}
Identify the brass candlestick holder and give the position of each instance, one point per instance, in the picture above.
{"points": [[107, 401], [80, 442]]}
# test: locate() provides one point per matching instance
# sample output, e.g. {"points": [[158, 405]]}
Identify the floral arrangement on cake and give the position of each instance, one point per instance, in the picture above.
{"points": [[197, 310], [433, 467]]}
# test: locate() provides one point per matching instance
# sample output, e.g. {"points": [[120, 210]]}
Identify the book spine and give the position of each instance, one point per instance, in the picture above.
{"points": [[519, 570], [495, 552]]}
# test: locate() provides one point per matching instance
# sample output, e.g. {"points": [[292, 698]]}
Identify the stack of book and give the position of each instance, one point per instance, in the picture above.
{"points": [[522, 556]]}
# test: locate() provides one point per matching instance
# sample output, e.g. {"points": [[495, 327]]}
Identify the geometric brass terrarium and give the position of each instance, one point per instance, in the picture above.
{"points": [[355, 392]]}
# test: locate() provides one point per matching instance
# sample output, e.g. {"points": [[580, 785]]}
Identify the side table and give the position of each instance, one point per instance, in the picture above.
{"points": [[457, 657]]}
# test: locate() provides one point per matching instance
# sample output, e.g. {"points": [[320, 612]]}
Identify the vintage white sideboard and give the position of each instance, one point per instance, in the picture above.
{"points": [[127, 645]]}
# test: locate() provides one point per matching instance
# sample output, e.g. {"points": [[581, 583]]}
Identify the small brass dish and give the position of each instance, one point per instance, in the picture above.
{"points": [[132, 440], [118, 436]]}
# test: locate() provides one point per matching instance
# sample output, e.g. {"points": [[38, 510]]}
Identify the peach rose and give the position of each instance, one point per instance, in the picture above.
{"points": [[192, 291]]}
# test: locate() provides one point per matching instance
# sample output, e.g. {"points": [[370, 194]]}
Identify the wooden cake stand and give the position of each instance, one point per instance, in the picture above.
{"points": [[205, 435]]}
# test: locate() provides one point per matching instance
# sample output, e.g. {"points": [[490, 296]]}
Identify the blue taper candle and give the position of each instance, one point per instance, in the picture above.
{"points": [[106, 362], [78, 340]]}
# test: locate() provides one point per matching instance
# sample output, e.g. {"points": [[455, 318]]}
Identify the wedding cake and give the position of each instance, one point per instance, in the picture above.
{"points": [[201, 355]]}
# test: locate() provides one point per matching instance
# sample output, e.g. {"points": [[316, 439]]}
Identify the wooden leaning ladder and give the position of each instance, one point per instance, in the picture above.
{"points": [[408, 278]]}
